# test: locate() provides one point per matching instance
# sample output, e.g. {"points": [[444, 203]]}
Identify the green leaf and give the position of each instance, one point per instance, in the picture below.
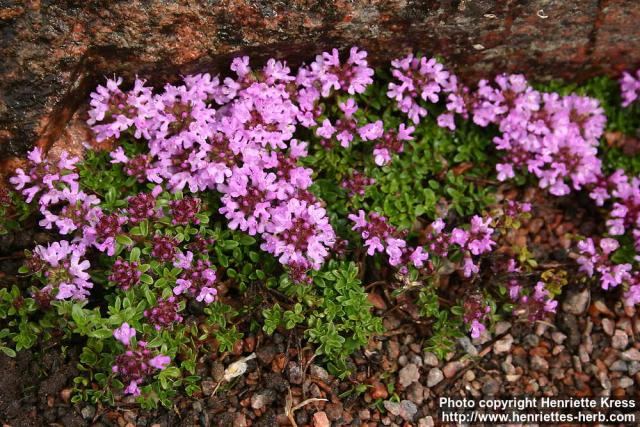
{"points": [[135, 255], [8, 351], [124, 240], [101, 333]]}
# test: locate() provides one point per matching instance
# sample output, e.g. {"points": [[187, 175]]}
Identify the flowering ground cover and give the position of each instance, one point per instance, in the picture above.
{"points": [[317, 204]]}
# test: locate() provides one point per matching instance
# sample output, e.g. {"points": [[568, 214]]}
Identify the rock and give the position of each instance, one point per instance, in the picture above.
{"points": [[405, 409], [393, 349], [503, 345], [608, 326], [619, 366], [558, 337], [333, 410], [502, 327], [207, 387], [403, 360], [430, 359], [415, 393], [625, 382], [217, 371], [88, 412], [426, 422], [379, 391], [631, 355], [266, 354], [491, 387], [54, 53], [408, 375], [620, 340], [469, 376], [435, 377], [294, 373], [320, 419], [452, 368], [467, 346], [319, 372], [364, 414], [240, 420], [576, 301], [634, 368], [263, 398], [531, 340], [539, 363]]}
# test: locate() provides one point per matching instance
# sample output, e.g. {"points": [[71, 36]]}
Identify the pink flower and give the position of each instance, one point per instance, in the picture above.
{"points": [[124, 334], [160, 361]]}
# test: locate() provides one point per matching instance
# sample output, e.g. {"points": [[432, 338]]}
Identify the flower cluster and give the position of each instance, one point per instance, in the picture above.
{"points": [[380, 236], [475, 312], [197, 278], [630, 87], [136, 364], [596, 259], [125, 274], [536, 305], [356, 184], [64, 270], [425, 78], [236, 137], [624, 194], [164, 314], [554, 137]]}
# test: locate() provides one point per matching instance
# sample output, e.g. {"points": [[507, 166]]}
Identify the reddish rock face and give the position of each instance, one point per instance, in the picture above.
{"points": [[55, 52]]}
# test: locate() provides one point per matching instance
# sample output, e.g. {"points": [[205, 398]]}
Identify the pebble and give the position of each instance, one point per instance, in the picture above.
{"points": [[408, 375], [379, 391], [631, 355], [319, 372], [415, 393], [430, 359], [508, 367], [608, 326], [403, 360], [364, 414], [469, 375], [452, 368], [88, 412], [467, 346], [502, 327], [266, 354], [334, 410], [531, 340], [503, 345], [320, 420], [394, 350], [217, 371], [263, 398], [240, 420], [625, 382], [576, 301], [435, 377], [491, 387], [620, 340], [405, 409], [634, 368], [558, 337], [426, 422], [619, 366], [539, 363], [294, 373]]}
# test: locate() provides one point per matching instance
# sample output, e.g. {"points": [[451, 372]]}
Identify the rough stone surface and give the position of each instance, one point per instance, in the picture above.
{"points": [[408, 375], [55, 53]]}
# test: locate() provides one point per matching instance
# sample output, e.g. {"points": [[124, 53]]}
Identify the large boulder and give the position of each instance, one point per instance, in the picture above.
{"points": [[55, 52]]}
